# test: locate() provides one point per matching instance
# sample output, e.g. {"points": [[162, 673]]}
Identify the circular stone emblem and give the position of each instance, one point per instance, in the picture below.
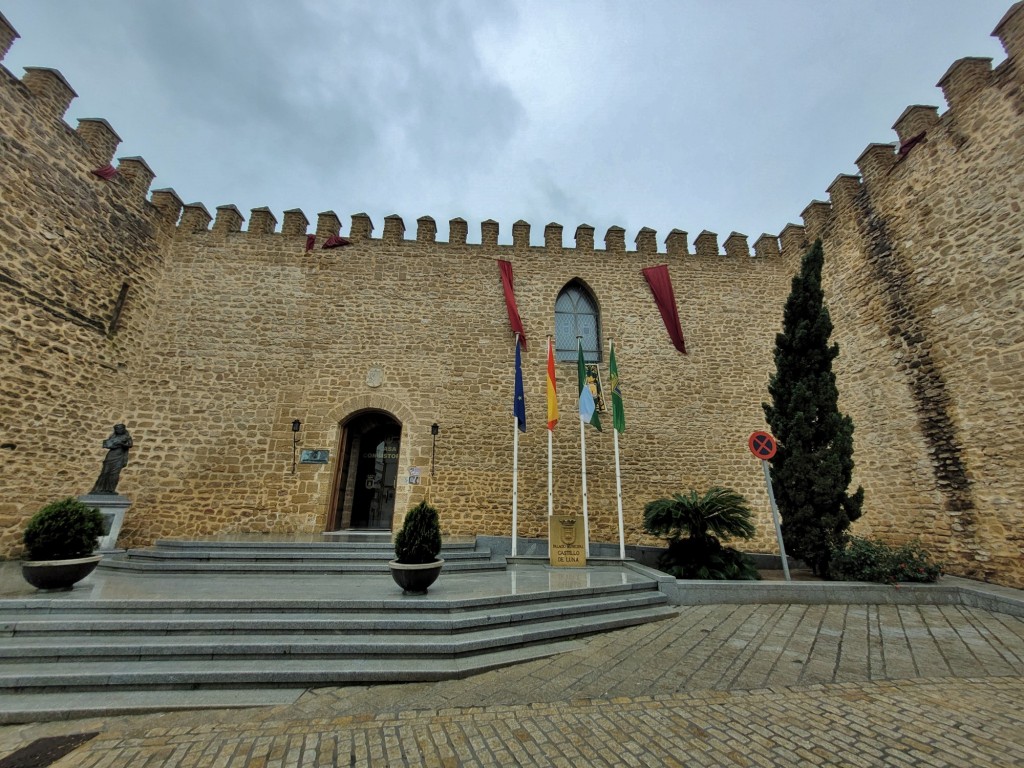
{"points": [[375, 376]]}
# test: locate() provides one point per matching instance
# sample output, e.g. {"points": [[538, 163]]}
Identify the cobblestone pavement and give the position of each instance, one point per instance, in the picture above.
{"points": [[719, 685]]}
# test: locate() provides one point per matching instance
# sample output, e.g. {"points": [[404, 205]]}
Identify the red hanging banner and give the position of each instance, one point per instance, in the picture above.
{"points": [[510, 300], [335, 241], [661, 287]]}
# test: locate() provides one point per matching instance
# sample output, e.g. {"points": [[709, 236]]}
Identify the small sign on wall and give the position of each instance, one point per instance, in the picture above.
{"points": [[314, 456], [414, 475]]}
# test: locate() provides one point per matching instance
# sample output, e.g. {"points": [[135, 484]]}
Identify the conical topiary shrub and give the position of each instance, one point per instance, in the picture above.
{"points": [[416, 565], [419, 540]]}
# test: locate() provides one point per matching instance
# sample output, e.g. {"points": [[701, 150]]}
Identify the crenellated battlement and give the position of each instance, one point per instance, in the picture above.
{"points": [[195, 219], [48, 95], [7, 36], [44, 95], [963, 86]]}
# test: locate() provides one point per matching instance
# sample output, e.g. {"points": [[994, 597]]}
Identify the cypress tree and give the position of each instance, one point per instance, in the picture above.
{"points": [[813, 466]]}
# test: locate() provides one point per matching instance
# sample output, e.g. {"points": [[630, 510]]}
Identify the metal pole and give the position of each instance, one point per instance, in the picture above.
{"points": [[618, 495], [583, 459], [515, 485], [775, 518], [551, 498], [583, 473]]}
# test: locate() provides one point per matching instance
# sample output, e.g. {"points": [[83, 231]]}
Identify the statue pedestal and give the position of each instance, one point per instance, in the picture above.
{"points": [[112, 506]]}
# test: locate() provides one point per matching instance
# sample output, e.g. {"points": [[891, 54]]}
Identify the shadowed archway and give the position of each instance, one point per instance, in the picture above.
{"points": [[367, 481]]}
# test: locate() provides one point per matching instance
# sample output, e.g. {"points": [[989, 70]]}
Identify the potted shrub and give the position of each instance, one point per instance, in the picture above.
{"points": [[416, 565], [59, 541]]}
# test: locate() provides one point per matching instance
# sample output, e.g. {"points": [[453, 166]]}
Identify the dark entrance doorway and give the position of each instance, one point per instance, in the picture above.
{"points": [[369, 473]]}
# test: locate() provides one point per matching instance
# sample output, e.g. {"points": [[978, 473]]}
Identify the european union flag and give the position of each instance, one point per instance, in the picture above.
{"points": [[519, 406]]}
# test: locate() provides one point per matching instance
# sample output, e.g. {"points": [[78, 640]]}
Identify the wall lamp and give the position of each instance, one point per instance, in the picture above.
{"points": [[434, 429], [296, 427]]}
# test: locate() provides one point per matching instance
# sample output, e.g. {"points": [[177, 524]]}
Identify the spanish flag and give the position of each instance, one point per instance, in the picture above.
{"points": [[552, 395]]}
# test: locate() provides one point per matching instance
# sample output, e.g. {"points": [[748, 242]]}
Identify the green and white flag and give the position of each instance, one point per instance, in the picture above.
{"points": [[588, 408], [618, 414]]}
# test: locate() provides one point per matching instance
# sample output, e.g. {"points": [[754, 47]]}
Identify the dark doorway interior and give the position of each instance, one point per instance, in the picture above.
{"points": [[366, 491]]}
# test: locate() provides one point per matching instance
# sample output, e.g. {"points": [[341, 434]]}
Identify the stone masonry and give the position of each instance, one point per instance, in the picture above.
{"points": [[208, 337]]}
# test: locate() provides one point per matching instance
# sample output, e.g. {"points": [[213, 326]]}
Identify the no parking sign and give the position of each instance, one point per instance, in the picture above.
{"points": [[764, 446]]}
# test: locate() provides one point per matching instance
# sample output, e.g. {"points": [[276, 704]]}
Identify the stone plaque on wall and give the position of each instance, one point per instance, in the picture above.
{"points": [[565, 532], [314, 456]]}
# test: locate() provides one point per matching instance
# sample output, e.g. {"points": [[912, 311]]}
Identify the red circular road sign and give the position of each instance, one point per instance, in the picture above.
{"points": [[762, 445]]}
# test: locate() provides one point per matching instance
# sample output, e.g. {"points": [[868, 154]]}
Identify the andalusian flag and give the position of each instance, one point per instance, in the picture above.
{"points": [[552, 395], [588, 409], [618, 414]]}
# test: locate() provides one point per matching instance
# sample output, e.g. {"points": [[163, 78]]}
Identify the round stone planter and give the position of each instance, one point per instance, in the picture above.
{"points": [[58, 574], [414, 579]]}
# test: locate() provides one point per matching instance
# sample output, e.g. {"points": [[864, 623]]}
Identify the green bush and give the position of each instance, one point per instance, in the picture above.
{"points": [[705, 559], [693, 525], [813, 466], [419, 540], [866, 560], [63, 530]]}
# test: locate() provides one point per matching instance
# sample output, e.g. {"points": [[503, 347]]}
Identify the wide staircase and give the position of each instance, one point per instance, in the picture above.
{"points": [[78, 654], [348, 552]]}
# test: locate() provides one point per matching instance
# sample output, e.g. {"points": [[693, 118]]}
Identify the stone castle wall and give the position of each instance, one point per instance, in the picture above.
{"points": [[69, 242], [255, 332], [927, 278], [227, 335]]}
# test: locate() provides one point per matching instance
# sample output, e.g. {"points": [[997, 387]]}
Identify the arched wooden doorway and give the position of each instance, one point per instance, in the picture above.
{"points": [[367, 478]]}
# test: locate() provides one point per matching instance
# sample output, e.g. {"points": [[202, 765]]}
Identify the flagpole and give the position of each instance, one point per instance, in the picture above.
{"points": [[515, 477], [618, 485], [551, 496], [515, 485], [551, 492], [583, 471], [618, 494]]}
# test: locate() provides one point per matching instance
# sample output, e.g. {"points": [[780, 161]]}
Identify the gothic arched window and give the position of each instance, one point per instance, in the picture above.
{"points": [[576, 315]]}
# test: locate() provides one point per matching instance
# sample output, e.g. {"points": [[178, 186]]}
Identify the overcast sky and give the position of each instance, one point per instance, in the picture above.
{"points": [[727, 115]]}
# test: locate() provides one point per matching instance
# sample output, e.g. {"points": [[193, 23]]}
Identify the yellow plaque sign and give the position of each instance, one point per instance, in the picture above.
{"points": [[565, 532]]}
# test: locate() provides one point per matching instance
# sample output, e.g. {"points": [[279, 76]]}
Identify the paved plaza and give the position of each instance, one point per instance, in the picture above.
{"points": [[733, 685]]}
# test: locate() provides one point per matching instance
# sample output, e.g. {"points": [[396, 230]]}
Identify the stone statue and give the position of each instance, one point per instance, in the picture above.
{"points": [[117, 446]]}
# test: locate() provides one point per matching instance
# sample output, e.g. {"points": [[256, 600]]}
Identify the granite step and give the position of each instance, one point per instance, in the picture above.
{"points": [[57, 626], [237, 673], [75, 651], [238, 683], [122, 563], [150, 647], [277, 555], [73, 705], [262, 555], [329, 545]]}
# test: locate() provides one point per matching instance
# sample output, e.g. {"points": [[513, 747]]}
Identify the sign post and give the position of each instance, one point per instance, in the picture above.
{"points": [[763, 446]]}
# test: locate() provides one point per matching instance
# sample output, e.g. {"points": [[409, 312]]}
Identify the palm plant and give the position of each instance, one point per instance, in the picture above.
{"points": [[695, 525]]}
